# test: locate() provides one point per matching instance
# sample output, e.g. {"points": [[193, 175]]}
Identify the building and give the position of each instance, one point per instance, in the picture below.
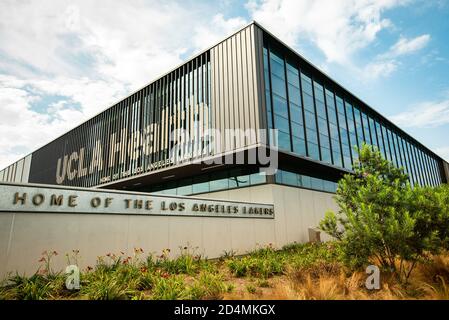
{"points": [[159, 139], [250, 80]]}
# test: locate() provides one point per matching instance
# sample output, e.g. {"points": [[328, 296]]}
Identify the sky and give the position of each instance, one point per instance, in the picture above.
{"points": [[63, 61]]}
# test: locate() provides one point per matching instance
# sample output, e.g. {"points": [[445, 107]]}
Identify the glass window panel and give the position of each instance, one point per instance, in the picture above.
{"points": [[306, 181], [340, 106], [308, 102], [347, 161], [313, 150], [294, 95], [220, 184], [337, 158], [342, 120], [322, 126], [299, 146], [257, 178], [278, 86], [358, 123], [284, 141], [326, 155], [306, 84], [280, 106], [268, 99], [324, 141], [346, 156], [373, 132], [277, 68], [310, 120], [297, 130], [366, 131], [332, 117], [386, 143], [293, 77], [281, 123], [333, 131], [319, 94], [312, 136], [296, 114], [320, 109], [349, 113], [289, 178], [317, 183]]}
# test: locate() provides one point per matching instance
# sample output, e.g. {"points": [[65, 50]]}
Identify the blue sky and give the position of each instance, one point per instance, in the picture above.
{"points": [[63, 61]]}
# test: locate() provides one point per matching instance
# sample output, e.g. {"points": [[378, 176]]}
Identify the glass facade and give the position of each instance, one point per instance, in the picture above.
{"points": [[217, 181], [316, 120], [299, 180]]}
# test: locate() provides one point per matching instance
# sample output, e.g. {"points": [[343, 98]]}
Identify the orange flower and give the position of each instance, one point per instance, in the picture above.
{"points": [[41, 259], [143, 269], [55, 253]]}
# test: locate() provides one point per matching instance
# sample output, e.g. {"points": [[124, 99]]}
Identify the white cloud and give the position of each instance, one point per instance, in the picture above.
{"points": [[337, 28], [379, 69], [406, 46], [386, 63], [425, 115]]}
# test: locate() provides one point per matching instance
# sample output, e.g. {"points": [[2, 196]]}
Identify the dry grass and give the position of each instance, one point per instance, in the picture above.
{"points": [[429, 281]]}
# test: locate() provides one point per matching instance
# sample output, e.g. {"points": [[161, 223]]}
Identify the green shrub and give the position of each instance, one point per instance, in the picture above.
{"points": [[257, 264], [36, 287], [382, 217], [251, 288], [169, 288], [209, 286], [106, 287]]}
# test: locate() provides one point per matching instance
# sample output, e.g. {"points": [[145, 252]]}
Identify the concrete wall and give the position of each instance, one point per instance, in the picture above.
{"points": [[23, 236], [296, 210]]}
